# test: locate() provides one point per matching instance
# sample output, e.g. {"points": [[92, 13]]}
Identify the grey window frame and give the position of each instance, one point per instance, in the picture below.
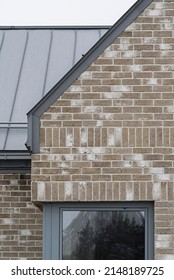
{"points": [[52, 212]]}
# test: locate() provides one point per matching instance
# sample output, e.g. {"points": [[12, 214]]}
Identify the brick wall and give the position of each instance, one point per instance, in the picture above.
{"points": [[110, 136], [20, 220]]}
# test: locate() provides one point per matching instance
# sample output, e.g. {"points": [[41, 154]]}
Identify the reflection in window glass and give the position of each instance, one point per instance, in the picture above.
{"points": [[103, 235]]}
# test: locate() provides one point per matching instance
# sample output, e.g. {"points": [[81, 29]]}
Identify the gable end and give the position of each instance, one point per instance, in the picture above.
{"points": [[34, 115]]}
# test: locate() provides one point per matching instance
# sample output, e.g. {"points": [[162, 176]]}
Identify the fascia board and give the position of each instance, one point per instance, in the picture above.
{"points": [[28, 143], [32, 143]]}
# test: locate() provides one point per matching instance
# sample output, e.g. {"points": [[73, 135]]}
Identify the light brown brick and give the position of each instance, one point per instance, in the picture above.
{"points": [[95, 191], [119, 116]]}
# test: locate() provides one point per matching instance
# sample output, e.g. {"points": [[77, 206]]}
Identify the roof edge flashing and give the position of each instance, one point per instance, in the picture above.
{"points": [[4, 156], [33, 135]]}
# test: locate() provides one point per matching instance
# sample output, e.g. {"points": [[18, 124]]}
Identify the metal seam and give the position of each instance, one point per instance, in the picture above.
{"points": [[2, 42], [1, 123], [100, 35], [13, 127], [48, 60], [16, 90], [75, 46]]}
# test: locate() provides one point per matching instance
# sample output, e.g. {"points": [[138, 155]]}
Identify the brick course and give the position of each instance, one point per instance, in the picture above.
{"points": [[20, 219], [110, 136]]}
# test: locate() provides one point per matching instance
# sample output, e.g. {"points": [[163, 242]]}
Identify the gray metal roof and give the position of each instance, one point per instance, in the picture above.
{"points": [[32, 61]]}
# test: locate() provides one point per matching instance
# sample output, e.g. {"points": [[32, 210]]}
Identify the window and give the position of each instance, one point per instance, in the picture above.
{"points": [[98, 231]]}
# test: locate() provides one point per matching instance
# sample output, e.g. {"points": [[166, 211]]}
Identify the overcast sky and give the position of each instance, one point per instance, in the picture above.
{"points": [[62, 12]]}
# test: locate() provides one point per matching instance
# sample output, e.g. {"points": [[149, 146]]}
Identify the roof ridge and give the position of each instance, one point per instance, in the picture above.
{"points": [[54, 27]]}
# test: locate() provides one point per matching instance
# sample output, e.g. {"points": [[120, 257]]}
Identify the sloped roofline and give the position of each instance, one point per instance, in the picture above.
{"points": [[33, 143]]}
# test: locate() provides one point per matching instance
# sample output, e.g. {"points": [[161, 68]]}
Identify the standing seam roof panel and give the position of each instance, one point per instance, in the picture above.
{"points": [[16, 91], [10, 65], [30, 67], [61, 56]]}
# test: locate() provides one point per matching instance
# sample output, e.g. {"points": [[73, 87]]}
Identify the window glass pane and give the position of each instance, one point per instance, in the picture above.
{"points": [[103, 234]]}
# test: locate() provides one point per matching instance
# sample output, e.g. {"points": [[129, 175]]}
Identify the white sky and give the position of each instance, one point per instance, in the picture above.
{"points": [[62, 12]]}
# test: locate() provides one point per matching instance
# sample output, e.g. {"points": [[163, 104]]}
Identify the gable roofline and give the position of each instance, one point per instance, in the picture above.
{"points": [[112, 34]]}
